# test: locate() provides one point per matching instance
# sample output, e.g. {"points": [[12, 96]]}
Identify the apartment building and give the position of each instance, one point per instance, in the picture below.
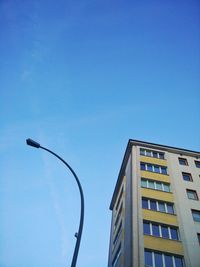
{"points": [[155, 208]]}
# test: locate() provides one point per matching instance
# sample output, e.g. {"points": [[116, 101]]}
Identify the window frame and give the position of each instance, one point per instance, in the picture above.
{"points": [[194, 194], [117, 256], [198, 238], [155, 168], [197, 212], [156, 229], [119, 197], [187, 174], [119, 230], [164, 255], [197, 163], [152, 153], [149, 202], [145, 184], [183, 161], [118, 215]]}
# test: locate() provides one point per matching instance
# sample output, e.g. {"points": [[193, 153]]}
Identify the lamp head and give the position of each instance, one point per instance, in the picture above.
{"points": [[31, 142]]}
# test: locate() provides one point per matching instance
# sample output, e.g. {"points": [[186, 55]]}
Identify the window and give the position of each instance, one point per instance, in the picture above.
{"points": [[157, 205], [197, 163], [187, 176], [160, 259], [148, 153], [117, 234], [150, 167], [170, 208], [153, 168], [146, 228], [192, 194], [118, 215], [156, 169], [178, 261], [174, 234], [161, 206], [149, 183], [166, 187], [158, 186], [117, 256], [155, 230], [158, 230], [120, 197], [165, 232], [182, 161], [142, 166], [145, 203], [151, 153], [168, 261], [198, 237], [148, 261], [196, 215], [163, 170], [153, 205], [144, 183]]}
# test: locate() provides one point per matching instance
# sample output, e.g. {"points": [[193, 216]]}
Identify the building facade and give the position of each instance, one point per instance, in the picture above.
{"points": [[156, 208]]}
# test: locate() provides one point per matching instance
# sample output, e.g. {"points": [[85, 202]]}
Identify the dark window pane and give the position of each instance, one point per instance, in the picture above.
{"points": [[192, 194], [148, 153], [149, 167], [155, 154], [198, 236], [170, 208], [144, 203], [168, 261], [142, 166], [155, 230], [196, 215], [187, 176], [182, 161], [142, 151], [153, 205], [163, 170], [174, 234], [148, 258], [197, 163], [156, 169], [165, 232], [158, 260], [161, 206], [178, 261], [161, 155], [146, 228]]}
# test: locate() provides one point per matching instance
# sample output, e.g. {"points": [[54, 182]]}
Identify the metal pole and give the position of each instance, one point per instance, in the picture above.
{"points": [[79, 234]]}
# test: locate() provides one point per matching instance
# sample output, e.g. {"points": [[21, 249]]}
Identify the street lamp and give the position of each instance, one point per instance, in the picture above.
{"points": [[32, 143]]}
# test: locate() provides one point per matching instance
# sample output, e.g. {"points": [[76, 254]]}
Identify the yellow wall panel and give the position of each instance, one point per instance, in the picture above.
{"points": [[161, 244], [161, 162], [156, 216], [150, 193], [155, 176]]}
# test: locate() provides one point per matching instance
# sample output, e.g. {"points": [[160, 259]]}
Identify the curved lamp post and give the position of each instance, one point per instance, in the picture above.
{"points": [[30, 142]]}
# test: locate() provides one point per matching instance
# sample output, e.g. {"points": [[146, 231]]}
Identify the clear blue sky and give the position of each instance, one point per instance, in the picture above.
{"points": [[82, 77]]}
